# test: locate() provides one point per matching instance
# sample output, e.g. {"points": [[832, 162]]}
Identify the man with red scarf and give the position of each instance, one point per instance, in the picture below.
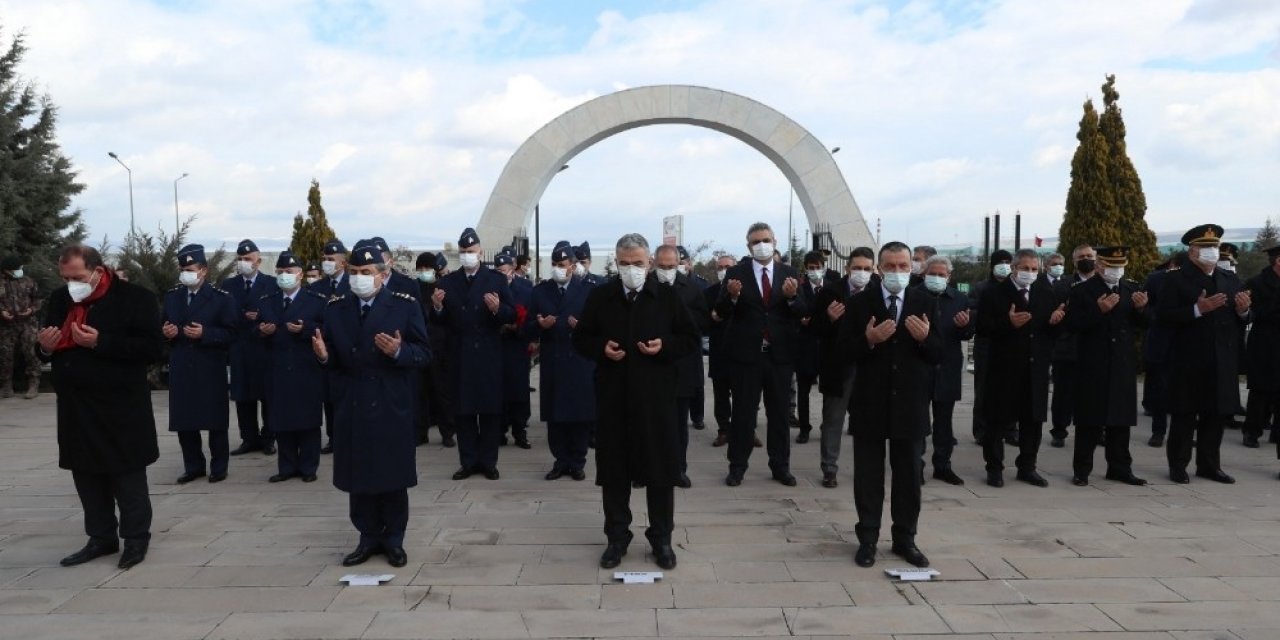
{"points": [[99, 334]]}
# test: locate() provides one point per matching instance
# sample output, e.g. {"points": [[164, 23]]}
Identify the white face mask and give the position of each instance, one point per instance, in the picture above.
{"points": [[1225, 265], [1209, 255], [428, 276], [1056, 270], [363, 285], [1112, 275], [666, 276], [815, 275], [560, 274], [245, 267], [287, 281], [1026, 278], [632, 276], [917, 267], [859, 278], [896, 281], [935, 284], [580, 269], [329, 267], [682, 269], [720, 274], [762, 251], [17, 273], [469, 260], [312, 280], [80, 290], [189, 278], [1002, 270]]}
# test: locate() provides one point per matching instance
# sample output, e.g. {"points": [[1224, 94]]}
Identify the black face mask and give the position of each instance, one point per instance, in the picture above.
{"points": [[1084, 266]]}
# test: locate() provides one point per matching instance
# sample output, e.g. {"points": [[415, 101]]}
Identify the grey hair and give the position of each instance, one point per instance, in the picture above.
{"points": [[1053, 255], [631, 241], [759, 226], [666, 247], [927, 250], [1026, 253], [937, 259]]}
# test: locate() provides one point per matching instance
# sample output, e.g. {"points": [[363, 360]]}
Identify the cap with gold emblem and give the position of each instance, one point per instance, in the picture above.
{"points": [[246, 247], [468, 239], [191, 254], [1203, 235], [287, 260], [1113, 256], [366, 252], [334, 247]]}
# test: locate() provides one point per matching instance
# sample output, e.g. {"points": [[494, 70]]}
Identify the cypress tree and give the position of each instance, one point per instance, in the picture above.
{"points": [[310, 233], [1091, 216], [1126, 188]]}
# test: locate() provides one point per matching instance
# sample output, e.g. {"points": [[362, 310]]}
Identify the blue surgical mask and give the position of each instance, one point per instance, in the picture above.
{"points": [[896, 281], [935, 284]]}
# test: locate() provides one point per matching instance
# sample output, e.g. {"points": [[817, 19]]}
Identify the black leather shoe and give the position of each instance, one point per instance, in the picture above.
{"points": [[911, 553], [1032, 478], [802, 437], [829, 480], [491, 474], [785, 479], [578, 474], [1080, 481], [1157, 440], [721, 440], [1251, 441], [327, 448], [684, 482], [865, 556], [948, 476], [134, 554], [1127, 478], [733, 479], [359, 556], [396, 557], [269, 449], [523, 443], [217, 477], [995, 478], [1216, 475], [448, 442], [664, 556], [1058, 443], [280, 477], [309, 477], [636, 484], [95, 549], [245, 448], [189, 476], [612, 555], [555, 474], [1179, 476], [461, 474], [699, 426]]}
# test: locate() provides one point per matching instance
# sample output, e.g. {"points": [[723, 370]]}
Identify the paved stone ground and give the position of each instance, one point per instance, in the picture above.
{"points": [[516, 558]]}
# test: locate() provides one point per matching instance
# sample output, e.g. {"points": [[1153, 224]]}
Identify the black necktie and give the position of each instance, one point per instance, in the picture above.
{"points": [[248, 286], [1026, 296], [364, 311], [631, 296], [470, 279], [561, 290], [287, 300], [191, 297], [893, 308]]}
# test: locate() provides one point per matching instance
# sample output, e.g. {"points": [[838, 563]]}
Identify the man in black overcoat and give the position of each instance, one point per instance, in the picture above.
{"points": [[1262, 354], [689, 368], [100, 334]]}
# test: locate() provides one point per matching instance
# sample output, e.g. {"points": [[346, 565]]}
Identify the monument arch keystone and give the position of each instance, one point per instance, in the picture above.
{"points": [[808, 165]]}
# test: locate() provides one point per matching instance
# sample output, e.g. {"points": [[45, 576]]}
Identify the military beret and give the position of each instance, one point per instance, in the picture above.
{"points": [[582, 251], [441, 261], [562, 251], [1205, 234], [509, 250], [381, 244], [468, 239], [191, 254], [334, 247], [246, 247], [312, 266], [1117, 256], [364, 253], [287, 260], [503, 259]]}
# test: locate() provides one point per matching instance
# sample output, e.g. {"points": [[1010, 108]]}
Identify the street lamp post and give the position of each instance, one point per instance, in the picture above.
{"points": [[791, 203], [175, 203], [130, 172], [537, 235]]}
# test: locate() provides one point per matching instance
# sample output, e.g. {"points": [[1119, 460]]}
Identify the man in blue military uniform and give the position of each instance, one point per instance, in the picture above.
{"points": [[200, 322], [248, 354], [516, 409], [334, 283], [295, 383], [374, 340], [568, 400], [473, 303], [582, 253], [396, 281]]}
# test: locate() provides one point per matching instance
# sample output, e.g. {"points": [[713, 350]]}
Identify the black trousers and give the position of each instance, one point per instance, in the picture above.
{"points": [[515, 416], [868, 487], [1116, 443], [247, 420], [299, 452], [944, 438], [478, 438], [568, 442], [381, 518], [193, 460], [1206, 428], [100, 495], [722, 402], [697, 405], [1155, 396], [804, 384], [751, 383], [1260, 412], [617, 513], [439, 401], [1060, 409], [682, 430], [1030, 431], [981, 353]]}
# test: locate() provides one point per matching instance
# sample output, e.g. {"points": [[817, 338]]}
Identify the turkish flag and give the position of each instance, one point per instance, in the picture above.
{"points": [[1039, 241]]}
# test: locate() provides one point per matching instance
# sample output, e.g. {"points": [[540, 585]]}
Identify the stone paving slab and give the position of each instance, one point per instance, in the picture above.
{"points": [[516, 558]]}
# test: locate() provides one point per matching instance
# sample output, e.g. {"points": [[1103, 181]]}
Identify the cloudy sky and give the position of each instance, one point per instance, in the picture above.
{"points": [[406, 111]]}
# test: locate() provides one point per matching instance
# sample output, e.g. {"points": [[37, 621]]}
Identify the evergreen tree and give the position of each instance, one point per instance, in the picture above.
{"points": [[1092, 216], [1126, 188], [152, 261], [310, 233], [1267, 237], [36, 180]]}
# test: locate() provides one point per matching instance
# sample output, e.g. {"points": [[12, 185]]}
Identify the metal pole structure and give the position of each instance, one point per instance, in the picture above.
{"points": [[175, 203], [1017, 231], [130, 172], [986, 238], [995, 236]]}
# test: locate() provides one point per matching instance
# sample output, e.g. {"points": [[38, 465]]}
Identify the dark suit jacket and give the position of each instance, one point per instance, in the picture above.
{"points": [[1263, 350], [1018, 358], [891, 398], [1155, 347], [1204, 355], [1104, 393], [747, 319], [475, 338], [833, 366], [690, 374], [948, 373]]}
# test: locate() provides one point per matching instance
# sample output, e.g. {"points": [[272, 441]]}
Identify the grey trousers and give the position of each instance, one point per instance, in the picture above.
{"points": [[834, 410]]}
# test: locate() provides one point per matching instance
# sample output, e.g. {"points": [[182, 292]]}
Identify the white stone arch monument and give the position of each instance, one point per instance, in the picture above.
{"points": [[806, 162]]}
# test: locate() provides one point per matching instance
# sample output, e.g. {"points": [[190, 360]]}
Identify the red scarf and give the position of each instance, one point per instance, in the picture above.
{"points": [[79, 312]]}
